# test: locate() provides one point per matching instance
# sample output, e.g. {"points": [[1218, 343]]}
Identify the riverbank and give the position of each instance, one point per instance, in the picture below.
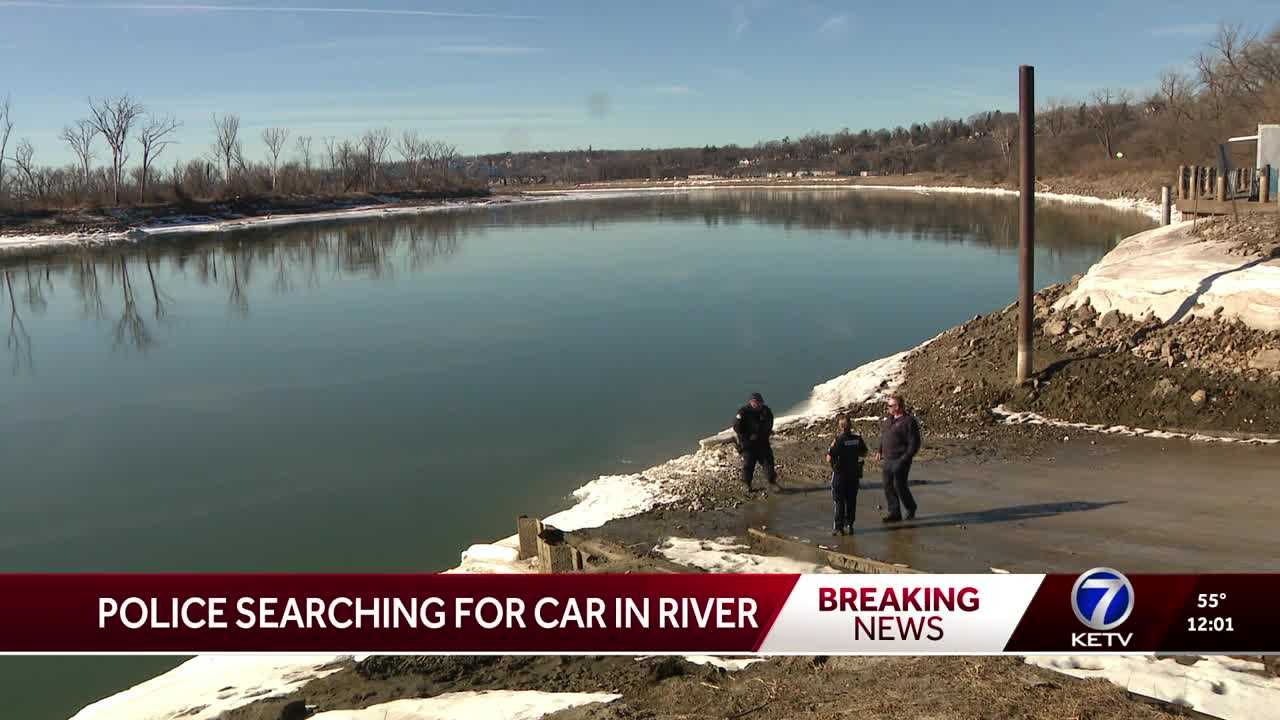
{"points": [[111, 227], [962, 428]]}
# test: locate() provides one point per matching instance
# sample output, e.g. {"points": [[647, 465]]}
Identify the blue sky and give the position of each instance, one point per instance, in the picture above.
{"points": [[493, 76]]}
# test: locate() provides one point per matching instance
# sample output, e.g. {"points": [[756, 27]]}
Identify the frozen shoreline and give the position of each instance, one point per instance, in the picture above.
{"points": [[196, 225]]}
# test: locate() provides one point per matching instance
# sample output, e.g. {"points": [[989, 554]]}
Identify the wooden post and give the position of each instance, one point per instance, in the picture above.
{"points": [[1264, 184], [1220, 192], [554, 554], [1182, 182], [527, 529], [1027, 218], [1166, 212], [1193, 182]]}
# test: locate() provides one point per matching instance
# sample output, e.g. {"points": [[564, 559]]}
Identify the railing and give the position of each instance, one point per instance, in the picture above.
{"points": [[1207, 190]]}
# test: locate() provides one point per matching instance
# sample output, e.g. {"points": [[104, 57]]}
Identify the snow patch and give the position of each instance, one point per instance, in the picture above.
{"points": [[1168, 273], [1010, 417], [495, 558], [729, 664], [1218, 686], [204, 687], [726, 555], [491, 704]]}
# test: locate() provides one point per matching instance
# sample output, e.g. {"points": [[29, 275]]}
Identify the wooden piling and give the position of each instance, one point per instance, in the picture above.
{"points": [[1264, 184], [1166, 211], [1193, 182], [527, 529], [1182, 182], [554, 554], [1220, 190]]}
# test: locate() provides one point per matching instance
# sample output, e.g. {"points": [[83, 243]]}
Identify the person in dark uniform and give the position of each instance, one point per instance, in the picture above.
{"points": [[845, 456], [752, 427], [899, 442]]}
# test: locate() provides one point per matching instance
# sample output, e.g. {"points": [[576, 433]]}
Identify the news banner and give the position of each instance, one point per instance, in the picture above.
{"points": [[1099, 611]]}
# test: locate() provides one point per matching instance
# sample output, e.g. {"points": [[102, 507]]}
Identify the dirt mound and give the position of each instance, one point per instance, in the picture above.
{"points": [[820, 688], [1198, 374], [1252, 234]]}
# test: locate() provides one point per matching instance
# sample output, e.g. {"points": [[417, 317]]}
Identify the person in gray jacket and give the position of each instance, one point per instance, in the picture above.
{"points": [[899, 442]]}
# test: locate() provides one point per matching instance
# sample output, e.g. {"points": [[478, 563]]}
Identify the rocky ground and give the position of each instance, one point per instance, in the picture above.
{"points": [[1199, 374], [818, 688], [1253, 234]]}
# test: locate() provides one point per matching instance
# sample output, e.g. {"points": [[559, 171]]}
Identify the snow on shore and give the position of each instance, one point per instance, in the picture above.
{"points": [[204, 687], [1171, 274], [204, 225], [490, 704], [726, 555], [1220, 686], [1010, 417]]}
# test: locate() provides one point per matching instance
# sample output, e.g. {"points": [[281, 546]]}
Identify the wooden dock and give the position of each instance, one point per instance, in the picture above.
{"points": [[1206, 190]]}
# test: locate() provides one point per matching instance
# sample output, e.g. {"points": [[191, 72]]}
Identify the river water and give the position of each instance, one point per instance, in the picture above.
{"points": [[375, 396]]}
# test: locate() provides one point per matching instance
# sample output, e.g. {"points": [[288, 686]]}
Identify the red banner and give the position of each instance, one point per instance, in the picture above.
{"points": [[191, 613]]}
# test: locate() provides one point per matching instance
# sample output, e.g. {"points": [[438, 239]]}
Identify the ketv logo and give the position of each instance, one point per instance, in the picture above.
{"points": [[1102, 599]]}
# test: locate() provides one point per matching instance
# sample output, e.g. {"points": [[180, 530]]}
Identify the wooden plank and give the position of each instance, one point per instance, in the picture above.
{"points": [[555, 555], [527, 529], [767, 543]]}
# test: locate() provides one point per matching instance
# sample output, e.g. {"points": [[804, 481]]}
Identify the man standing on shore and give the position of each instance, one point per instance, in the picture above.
{"points": [[899, 441], [845, 457], [752, 427]]}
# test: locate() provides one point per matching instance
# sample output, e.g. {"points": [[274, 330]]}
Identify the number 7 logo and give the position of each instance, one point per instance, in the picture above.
{"points": [[1102, 598]]}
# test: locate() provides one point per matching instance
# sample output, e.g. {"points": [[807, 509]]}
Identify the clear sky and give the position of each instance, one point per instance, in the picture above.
{"points": [[505, 75]]}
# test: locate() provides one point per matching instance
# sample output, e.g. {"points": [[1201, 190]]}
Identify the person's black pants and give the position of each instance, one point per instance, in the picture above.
{"points": [[844, 499], [762, 454], [897, 494]]}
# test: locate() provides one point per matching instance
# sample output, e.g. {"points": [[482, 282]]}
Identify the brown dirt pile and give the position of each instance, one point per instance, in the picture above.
{"points": [[820, 688], [1252, 234]]}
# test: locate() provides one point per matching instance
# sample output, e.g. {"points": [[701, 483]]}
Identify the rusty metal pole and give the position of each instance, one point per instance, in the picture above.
{"points": [[1027, 218]]}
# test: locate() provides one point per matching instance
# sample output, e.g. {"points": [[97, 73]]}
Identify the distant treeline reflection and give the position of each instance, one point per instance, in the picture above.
{"points": [[126, 286]]}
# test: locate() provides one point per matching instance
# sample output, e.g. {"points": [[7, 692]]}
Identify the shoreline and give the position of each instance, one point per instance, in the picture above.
{"points": [[19, 245]]}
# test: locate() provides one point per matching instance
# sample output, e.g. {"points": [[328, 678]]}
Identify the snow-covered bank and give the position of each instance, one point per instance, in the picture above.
{"points": [[198, 225], [1146, 207], [1220, 686], [726, 555], [204, 687], [1029, 418], [1171, 274], [489, 704]]}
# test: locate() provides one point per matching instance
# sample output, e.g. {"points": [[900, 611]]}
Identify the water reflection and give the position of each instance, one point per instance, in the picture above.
{"points": [[128, 285]]}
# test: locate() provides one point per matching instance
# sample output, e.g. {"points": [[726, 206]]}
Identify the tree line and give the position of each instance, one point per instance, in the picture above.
{"points": [[120, 160], [120, 146]]}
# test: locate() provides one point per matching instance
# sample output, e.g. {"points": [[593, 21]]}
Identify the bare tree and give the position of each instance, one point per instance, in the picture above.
{"points": [[304, 151], [23, 161], [275, 138], [445, 154], [1105, 113], [114, 118], [409, 145], [226, 142], [6, 127], [154, 137], [80, 138], [375, 144]]}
